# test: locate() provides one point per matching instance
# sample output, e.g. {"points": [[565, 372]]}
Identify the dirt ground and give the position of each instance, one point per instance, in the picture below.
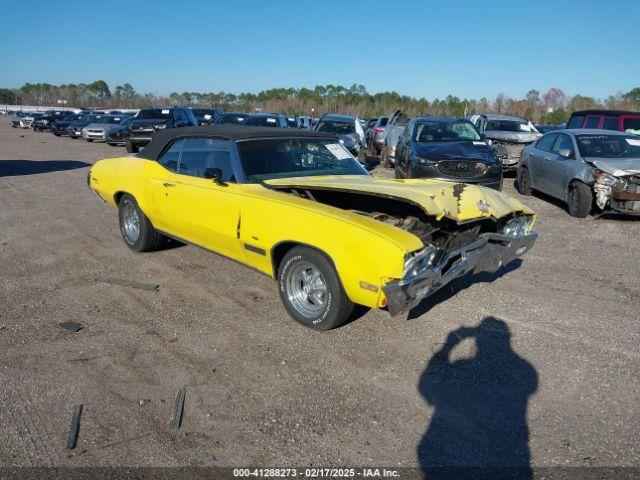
{"points": [[547, 369]]}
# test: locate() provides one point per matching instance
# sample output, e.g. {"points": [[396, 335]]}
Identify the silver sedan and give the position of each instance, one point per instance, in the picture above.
{"points": [[587, 169]]}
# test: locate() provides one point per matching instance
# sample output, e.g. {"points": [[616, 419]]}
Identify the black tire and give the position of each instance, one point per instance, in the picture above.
{"points": [[148, 238], [523, 181], [132, 147], [385, 158], [332, 309], [579, 200]]}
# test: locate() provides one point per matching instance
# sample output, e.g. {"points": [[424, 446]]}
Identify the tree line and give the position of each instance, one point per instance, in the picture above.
{"points": [[552, 106]]}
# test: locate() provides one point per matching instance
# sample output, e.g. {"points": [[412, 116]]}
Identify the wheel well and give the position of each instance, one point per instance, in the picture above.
{"points": [[277, 254], [280, 250], [118, 196]]}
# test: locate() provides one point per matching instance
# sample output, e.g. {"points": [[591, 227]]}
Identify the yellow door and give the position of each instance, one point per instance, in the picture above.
{"points": [[197, 209], [206, 213]]}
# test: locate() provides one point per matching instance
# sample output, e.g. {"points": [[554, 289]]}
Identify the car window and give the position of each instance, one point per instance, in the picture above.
{"points": [[592, 122], [285, 158], [546, 142], [632, 125], [170, 158], [177, 115], [610, 123], [199, 154], [576, 121], [564, 143]]}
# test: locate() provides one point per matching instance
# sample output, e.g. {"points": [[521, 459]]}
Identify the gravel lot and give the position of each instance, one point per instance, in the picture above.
{"points": [[263, 391]]}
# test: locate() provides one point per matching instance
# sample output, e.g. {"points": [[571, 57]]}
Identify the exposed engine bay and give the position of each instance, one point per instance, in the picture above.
{"points": [[443, 233]]}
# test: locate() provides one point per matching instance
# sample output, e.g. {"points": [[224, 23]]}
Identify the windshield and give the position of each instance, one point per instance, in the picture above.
{"points": [[201, 112], [262, 121], [445, 132], [609, 146], [510, 126], [632, 125], [285, 158], [108, 120], [333, 126], [154, 113], [85, 118], [232, 118]]}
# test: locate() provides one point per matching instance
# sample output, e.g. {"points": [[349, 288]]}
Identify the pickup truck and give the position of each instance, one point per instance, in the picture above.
{"points": [[392, 131]]}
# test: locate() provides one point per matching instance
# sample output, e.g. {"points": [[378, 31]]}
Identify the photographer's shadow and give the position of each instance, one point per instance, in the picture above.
{"points": [[479, 426]]}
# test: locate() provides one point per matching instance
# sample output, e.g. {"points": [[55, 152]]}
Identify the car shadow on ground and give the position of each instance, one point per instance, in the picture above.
{"points": [[450, 290], [15, 168], [478, 429]]}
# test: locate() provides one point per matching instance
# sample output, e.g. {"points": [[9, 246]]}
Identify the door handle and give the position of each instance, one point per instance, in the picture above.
{"points": [[165, 184]]}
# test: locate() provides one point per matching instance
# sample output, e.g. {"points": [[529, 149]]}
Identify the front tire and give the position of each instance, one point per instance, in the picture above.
{"points": [[523, 182], [135, 227], [579, 200], [311, 291]]}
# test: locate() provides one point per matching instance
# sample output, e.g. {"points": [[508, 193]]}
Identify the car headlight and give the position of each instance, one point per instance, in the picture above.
{"points": [[341, 141], [518, 226], [605, 179], [417, 262], [160, 126]]}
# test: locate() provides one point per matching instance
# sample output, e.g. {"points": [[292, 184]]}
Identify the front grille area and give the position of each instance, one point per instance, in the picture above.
{"points": [[508, 150], [461, 168]]}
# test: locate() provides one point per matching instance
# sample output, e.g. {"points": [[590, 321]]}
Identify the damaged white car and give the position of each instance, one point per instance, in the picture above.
{"points": [[587, 169]]}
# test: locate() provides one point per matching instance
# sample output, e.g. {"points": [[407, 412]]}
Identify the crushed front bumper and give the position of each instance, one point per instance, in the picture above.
{"points": [[487, 253]]}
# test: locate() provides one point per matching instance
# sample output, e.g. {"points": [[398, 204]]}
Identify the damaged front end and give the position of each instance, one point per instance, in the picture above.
{"points": [[433, 267], [509, 146], [617, 194], [475, 230]]}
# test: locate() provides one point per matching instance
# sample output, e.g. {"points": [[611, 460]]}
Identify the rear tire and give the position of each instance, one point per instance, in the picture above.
{"points": [[135, 227], [132, 147], [311, 291], [579, 200], [523, 182], [385, 158]]}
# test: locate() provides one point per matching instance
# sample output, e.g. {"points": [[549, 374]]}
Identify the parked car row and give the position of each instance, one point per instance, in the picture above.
{"points": [[592, 165]]}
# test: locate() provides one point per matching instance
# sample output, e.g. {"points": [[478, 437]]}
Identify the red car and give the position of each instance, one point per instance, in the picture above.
{"points": [[618, 120]]}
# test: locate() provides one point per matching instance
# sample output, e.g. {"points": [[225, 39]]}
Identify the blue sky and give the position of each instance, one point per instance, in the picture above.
{"points": [[419, 48]]}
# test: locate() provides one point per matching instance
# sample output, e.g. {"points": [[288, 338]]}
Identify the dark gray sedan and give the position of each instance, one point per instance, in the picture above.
{"points": [[586, 169]]}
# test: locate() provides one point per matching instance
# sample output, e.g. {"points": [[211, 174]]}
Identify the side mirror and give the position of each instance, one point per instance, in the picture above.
{"points": [[214, 174], [483, 137], [566, 153]]}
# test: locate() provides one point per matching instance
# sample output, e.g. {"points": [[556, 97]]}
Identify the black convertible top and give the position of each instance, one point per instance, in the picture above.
{"points": [[228, 132]]}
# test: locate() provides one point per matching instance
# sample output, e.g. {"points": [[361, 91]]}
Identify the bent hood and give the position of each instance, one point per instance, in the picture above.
{"points": [[459, 150], [457, 201], [513, 137], [618, 167]]}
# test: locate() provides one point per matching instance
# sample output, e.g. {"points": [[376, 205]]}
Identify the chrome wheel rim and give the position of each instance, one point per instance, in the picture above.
{"points": [[130, 223], [307, 289]]}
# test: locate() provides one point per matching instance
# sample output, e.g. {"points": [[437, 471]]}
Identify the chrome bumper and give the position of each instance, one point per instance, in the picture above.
{"points": [[487, 253]]}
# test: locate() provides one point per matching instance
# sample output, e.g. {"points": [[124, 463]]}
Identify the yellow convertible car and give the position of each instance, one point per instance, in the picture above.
{"points": [[298, 207]]}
